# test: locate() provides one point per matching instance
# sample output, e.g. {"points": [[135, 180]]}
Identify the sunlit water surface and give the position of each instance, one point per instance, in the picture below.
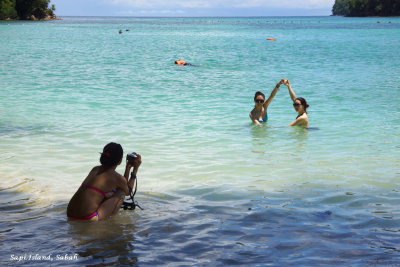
{"points": [[215, 189]]}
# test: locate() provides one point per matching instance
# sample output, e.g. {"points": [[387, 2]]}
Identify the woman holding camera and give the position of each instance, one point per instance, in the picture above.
{"points": [[103, 191]]}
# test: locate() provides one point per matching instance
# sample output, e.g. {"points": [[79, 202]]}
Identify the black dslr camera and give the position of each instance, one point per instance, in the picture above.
{"points": [[131, 157], [131, 204]]}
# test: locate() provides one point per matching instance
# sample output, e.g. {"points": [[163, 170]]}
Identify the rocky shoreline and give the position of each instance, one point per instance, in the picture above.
{"points": [[33, 18]]}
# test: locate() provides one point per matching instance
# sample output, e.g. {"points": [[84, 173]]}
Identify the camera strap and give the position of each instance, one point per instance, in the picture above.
{"points": [[131, 204]]}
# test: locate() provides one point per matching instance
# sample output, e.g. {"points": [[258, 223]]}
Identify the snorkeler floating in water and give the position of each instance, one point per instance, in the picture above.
{"points": [[182, 63]]}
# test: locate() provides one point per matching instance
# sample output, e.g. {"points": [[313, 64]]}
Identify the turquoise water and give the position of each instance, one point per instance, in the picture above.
{"points": [[215, 189]]}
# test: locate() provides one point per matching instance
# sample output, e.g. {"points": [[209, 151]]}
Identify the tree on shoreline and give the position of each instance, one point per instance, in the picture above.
{"points": [[26, 9], [7, 9], [365, 8]]}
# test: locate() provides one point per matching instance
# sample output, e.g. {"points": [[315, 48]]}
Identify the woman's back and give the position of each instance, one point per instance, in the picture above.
{"points": [[98, 185]]}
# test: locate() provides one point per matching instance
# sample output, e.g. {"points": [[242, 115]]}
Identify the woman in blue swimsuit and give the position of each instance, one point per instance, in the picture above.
{"points": [[259, 113], [103, 191]]}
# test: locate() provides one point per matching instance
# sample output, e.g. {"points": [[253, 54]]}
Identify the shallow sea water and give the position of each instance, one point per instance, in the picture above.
{"points": [[215, 189]]}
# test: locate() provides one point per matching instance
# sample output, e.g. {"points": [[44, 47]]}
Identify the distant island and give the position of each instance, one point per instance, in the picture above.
{"points": [[366, 8], [26, 10]]}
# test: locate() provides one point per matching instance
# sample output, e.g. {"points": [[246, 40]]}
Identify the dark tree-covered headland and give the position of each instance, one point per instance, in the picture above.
{"points": [[26, 10], [365, 8]]}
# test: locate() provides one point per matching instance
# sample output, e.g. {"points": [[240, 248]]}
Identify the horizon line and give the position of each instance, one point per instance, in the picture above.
{"points": [[128, 16]]}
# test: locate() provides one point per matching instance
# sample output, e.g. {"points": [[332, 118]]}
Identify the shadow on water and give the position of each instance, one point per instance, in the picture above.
{"points": [[106, 242], [312, 129], [8, 129], [301, 226], [34, 231], [304, 226]]}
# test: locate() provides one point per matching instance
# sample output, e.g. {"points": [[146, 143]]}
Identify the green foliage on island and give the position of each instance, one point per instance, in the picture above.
{"points": [[364, 8], [26, 9], [7, 9]]}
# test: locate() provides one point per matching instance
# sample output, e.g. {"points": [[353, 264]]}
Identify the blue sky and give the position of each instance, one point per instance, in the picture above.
{"points": [[193, 8]]}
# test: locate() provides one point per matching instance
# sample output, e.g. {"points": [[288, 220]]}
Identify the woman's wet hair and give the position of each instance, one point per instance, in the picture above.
{"points": [[112, 154], [257, 94], [303, 103]]}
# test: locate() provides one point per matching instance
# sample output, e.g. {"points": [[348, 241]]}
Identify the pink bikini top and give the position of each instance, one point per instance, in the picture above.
{"points": [[104, 194]]}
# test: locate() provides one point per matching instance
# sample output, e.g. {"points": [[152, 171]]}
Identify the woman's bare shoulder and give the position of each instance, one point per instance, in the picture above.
{"points": [[118, 176], [304, 116], [303, 120], [94, 171]]}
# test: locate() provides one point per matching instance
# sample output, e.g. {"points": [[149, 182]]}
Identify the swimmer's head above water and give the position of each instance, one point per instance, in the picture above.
{"points": [[300, 105], [180, 62], [259, 98]]}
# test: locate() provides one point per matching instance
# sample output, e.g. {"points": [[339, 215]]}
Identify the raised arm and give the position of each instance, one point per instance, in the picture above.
{"points": [[273, 93], [291, 92], [135, 165], [128, 167]]}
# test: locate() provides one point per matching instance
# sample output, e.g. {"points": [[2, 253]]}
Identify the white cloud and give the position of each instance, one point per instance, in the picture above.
{"points": [[172, 4]]}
